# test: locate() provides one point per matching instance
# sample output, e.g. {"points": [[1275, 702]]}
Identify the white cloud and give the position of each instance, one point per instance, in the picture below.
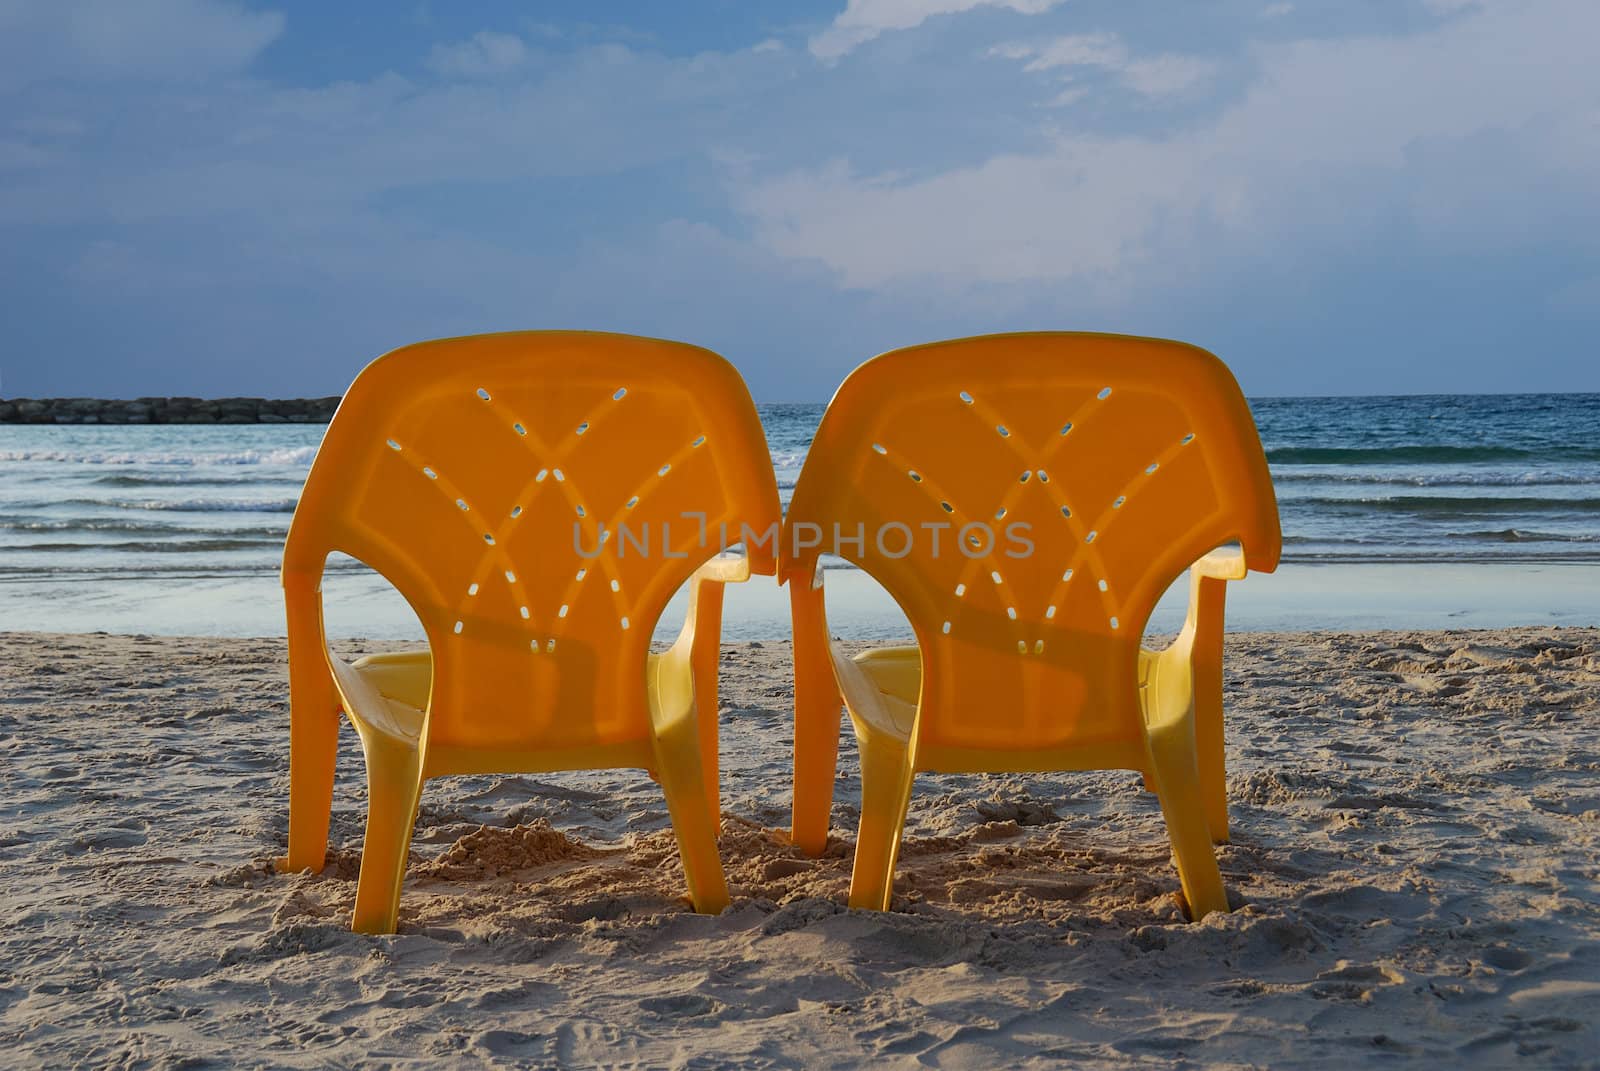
{"points": [[484, 55], [168, 40], [1161, 76], [1337, 140], [1276, 10], [223, 150], [393, 207], [1074, 50], [1068, 97], [1012, 219], [863, 20], [1149, 76]]}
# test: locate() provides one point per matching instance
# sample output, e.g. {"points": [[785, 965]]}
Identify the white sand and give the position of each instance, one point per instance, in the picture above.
{"points": [[1416, 823]]}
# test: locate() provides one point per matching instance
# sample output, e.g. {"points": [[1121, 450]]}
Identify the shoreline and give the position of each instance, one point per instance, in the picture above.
{"points": [[1301, 598], [1415, 822]]}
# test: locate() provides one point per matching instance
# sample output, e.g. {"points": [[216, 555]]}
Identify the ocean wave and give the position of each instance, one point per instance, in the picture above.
{"points": [[1403, 547], [788, 461], [157, 479], [1411, 455], [102, 570], [1456, 556], [194, 505], [1522, 535], [287, 455], [22, 512], [155, 546], [14, 523], [1443, 479], [1449, 504], [1354, 541]]}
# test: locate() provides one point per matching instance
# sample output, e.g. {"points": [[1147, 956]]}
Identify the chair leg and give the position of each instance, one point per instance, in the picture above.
{"points": [[1178, 787], [1212, 761], [394, 786], [682, 782], [1205, 660], [885, 795], [313, 753], [817, 710], [705, 656]]}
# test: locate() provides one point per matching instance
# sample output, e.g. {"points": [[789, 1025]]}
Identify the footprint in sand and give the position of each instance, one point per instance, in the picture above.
{"points": [[1353, 982], [1506, 959]]}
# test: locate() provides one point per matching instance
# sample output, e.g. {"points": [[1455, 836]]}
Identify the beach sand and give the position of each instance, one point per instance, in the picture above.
{"points": [[1416, 819]]}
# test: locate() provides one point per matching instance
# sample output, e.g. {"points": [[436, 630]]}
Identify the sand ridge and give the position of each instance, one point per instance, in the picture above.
{"points": [[1415, 868]]}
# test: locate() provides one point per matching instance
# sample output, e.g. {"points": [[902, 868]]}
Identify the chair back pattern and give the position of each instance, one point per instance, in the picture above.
{"points": [[1026, 499], [537, 498]]}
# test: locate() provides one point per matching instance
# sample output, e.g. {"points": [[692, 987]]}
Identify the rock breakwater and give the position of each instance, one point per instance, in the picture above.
{"points": [[167, 410]]}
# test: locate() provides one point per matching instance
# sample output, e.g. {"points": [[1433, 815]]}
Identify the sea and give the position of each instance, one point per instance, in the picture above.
{"points": [[1423, 511]]}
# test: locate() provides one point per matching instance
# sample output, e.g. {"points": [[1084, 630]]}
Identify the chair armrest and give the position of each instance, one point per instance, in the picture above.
{"points": [[1194, 658], [1224, 563], [702, 621], [725, 569]]}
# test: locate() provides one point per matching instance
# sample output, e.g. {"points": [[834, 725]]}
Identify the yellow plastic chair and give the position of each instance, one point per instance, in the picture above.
{"points": [[477, 475], [1121, 462]]}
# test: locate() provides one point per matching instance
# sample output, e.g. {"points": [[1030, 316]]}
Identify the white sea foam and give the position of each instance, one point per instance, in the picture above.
{"points": [[788, 459], [287, 455], [1446, 477], [203, 505]]}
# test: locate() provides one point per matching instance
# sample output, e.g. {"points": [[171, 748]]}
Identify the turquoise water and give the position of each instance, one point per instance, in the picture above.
{"points": [[1424, 511]]}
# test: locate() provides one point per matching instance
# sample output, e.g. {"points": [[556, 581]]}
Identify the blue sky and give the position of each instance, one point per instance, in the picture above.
{"points": [[218, 196]]}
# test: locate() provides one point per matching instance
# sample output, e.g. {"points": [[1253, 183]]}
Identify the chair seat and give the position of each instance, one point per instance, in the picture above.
{"points": [[882, 686], [386, 695]]}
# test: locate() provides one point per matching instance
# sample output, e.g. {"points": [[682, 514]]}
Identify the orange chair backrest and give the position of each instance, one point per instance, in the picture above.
{"points": [[1068, 479], [477, 474]]}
